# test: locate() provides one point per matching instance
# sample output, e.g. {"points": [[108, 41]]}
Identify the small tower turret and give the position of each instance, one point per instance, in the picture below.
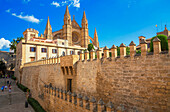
{"points": [[84, 31], [48, 30], [30, 33]]}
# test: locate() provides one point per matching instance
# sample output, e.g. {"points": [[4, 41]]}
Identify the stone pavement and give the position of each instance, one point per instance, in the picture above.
{"points": [[17, 99]]}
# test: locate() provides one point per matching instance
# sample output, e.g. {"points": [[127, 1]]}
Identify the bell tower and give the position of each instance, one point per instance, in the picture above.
{"points": [[67, 27], [84, 31]]}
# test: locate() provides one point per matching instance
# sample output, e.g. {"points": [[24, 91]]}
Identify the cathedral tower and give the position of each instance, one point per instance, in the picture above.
{"points": [[48, 31], [96, 38], [67, 27], [84, 32]]}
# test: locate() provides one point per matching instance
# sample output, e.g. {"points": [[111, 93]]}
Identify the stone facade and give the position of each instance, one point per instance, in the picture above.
{"points": [[71, 39], [132, 83]]}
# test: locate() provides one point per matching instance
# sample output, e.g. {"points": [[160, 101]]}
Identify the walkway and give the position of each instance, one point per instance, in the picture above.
{"points": [[17, 99]]}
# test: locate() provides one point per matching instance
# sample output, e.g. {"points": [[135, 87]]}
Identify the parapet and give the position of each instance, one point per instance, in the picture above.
{"points": [[70, 60], [78, 102], [30, 30]]}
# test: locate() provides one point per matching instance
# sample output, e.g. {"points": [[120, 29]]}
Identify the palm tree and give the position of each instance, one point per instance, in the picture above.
{"points": [[14, 43]]}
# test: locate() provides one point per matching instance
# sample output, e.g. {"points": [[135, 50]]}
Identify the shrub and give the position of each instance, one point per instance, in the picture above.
{"points": [[35, 105], [22, 87], [164, 43], [90, 47], [138, 51], [13, 77]]}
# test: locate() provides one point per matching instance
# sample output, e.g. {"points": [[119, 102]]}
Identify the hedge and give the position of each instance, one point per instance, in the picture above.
{"points": [[22, 87], [164, 43], [13, 77], [35, 105]]}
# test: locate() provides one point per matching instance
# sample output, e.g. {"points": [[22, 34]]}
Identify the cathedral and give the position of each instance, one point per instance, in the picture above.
{"points": [[70, 40], [72, 32]]}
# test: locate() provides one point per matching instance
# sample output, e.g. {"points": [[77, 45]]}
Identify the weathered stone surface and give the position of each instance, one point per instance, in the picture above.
{"points": [[142, 83]]}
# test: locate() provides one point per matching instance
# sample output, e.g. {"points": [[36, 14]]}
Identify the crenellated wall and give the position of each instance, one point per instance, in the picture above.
{"points": [[137, 82]]}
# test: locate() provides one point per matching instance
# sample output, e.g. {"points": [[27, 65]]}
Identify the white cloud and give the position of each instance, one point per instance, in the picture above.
{"points": [[4, 43], [8, 10], [56, 4], [74, 3], [27, 18], [26, 1]]}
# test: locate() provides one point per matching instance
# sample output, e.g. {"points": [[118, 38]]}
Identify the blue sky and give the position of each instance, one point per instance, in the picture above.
{"points": [[116, 21]]}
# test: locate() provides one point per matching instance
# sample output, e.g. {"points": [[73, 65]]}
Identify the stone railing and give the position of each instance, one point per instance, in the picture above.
{"points": [[53, 60], [76, 102], [84, 56]]}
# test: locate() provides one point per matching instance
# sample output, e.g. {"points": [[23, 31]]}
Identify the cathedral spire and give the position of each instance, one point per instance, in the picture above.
{"points": [[84, 21], [48, 30], [96, 38], [67, 17], [48, 23], [84, 15], [67, 12], [95, 33], [165, 27]]}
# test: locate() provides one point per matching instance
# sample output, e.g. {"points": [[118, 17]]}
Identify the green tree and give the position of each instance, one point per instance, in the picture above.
{"points": [[118, 51], [90, 47], [164, 43], [2, 67], [14, 43], [127, 50]]}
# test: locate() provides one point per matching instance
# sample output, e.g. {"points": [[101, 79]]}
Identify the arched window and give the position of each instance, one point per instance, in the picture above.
{"points": [[71, 52], [63, 53]]}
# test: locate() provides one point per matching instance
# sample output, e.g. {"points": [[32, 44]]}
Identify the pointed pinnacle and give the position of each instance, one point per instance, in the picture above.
{"points": [[95, 34], [48, 23], [67, 11], [84, 15]]}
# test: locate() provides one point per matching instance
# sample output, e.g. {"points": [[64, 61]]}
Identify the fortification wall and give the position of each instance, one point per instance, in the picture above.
{"points": [[35, 77], [133, 83], [142, 82]]}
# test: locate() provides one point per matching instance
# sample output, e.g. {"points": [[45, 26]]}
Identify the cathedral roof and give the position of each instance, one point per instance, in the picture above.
{"points": [[74, 23]]}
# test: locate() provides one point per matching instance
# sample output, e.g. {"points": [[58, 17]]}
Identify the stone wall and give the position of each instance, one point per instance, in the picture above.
{"points": [[140, 83], [35, 77]]}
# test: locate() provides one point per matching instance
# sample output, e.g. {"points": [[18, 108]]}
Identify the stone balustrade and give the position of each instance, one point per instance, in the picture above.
{"points": [[97, 55], [77, 102]]}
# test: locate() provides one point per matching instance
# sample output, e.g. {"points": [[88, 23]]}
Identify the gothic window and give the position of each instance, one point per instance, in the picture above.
{"points": [[75, 37], [63, 70], [71, 70]]}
